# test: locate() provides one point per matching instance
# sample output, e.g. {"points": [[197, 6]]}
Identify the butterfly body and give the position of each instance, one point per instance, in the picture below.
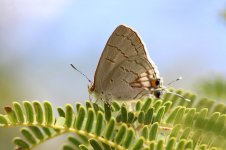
{"points": [[125, 70]]}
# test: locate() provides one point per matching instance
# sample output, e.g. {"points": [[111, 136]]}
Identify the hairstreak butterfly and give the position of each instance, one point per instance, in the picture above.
{"points": [[125, 71]]}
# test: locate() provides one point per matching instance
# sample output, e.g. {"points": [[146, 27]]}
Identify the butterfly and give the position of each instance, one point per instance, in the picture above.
{"points": [[125, 71]]}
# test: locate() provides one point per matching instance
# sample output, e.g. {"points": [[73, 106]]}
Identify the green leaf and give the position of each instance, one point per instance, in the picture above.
{"points": [[202, 103], [217, 142], [21, 143], [172, 115], [129, 137], [131, 117], [201, 118], [28, 135], [47, 131], [107, 110], [69, 116], [37, 132], [78, 105], [74, 141], [141, 117], [144, 132], [48, 113], [110, 129], [99, 123], [83, 138], [39, 112], [61, 112], [95, 144], [192, 99], [80, 118], [179, 115], [212, 120], [11, 115], [146, 104], [169, 127], [120, 135], [207, 137], [119, 118], [152, 145], [124, 114], [189, 145], [83, 147], [153, 131], [138, 105], [203, 147], [159, 145], [167, 105], [175, 131], [88, 105], [160, 114], [67, 147], [167, 96], [106, 146], [96, 107], [170, 144], [219, 124], [29, 111], [90, 120], [148, 116], [139, 144], [219, 108], [3, 120], [196, 136], [157, 104], [116, 106], [181, 145], [189, 117], [19, 112], [60, 122], [185, 133]]}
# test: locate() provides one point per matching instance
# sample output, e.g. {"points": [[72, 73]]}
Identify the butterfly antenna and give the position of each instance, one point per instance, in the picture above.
{"points": [[175, 80], [167, 91], [81, 73]]}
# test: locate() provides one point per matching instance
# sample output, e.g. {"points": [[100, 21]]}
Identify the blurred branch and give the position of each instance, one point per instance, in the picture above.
{"points": [[223, 14], [214, 88]]}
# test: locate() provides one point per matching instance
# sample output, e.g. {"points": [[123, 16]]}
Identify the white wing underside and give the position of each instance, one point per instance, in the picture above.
{"points": [[124, 58]]}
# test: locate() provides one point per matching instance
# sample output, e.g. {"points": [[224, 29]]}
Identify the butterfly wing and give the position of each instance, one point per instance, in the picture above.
{"points": [[124, 58], [119, 86]]}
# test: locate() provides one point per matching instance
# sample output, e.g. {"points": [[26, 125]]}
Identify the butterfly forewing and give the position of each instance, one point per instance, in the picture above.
{"points": [[123, 60]]}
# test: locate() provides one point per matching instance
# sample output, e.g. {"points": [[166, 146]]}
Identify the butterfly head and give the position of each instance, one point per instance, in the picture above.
{"points": [[157, 83], [92, 94], [91, 88], [160, 89], [157, 87]]}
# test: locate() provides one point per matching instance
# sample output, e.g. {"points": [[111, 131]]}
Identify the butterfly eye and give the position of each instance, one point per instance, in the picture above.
{"points": [[158, 93], [157, 82]]}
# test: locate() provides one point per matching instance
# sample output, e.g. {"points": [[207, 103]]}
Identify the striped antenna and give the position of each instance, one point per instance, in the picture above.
{"points": [[179, 78], [81, 73]]}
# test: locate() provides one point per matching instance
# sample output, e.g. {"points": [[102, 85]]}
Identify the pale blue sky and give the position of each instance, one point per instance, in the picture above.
{"points": [[40, 39]]}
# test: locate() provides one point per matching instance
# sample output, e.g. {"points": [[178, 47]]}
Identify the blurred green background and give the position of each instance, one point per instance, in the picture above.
{"points": [[40, 38]]}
